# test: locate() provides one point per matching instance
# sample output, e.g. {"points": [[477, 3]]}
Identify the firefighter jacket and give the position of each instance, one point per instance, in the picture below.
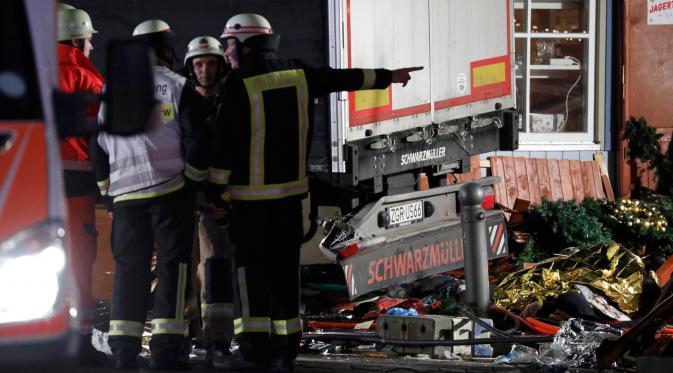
{"points": [[77, 74], [156, 162], [263, 138]]}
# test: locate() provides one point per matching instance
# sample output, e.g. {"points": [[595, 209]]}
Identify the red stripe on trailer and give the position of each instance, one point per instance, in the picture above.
{"points": [[382, 113], [486, 92]]}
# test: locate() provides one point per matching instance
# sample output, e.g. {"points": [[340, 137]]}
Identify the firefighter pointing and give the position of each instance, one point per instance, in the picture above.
{"points": [[262, 164]]}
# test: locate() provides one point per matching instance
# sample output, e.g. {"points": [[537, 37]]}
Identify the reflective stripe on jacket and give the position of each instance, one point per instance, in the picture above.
{"points": [[263, 139], [149, 164]]}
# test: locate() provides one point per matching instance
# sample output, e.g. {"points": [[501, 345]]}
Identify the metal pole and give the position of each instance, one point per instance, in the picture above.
{"points": [[475, 246]]}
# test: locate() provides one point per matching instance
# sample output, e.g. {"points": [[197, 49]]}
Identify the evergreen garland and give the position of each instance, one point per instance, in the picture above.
{"points": [[653, 242], [556, 225], [644, 145], [530, 253]]}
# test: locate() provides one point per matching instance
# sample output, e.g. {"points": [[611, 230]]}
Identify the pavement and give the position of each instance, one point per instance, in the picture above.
{"points": [[318, 363]]}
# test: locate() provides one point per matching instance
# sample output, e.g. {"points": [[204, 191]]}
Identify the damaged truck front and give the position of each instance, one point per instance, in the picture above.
{"points": [[370, 158]]}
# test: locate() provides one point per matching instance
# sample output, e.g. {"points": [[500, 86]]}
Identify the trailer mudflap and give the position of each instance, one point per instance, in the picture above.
{"points": [[407, 260]]}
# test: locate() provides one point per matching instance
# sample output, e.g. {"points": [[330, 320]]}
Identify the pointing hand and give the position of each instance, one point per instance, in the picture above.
{"points": [[402, 75]]}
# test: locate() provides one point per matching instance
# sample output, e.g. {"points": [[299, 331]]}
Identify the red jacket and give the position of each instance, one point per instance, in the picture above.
{"points": [[77, 74]]}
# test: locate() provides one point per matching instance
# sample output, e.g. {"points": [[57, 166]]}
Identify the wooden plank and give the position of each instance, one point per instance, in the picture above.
{"points": [[607, 186], [520, 205], [566, 179], [588, 179], [576, 177], [533, 183], [451, 178], [510, 180], [521, 178], [474, 173], [475, 168], [423, 183], [598, 157], [598, 182], [543, 178], [555, 179], [497, 169]]}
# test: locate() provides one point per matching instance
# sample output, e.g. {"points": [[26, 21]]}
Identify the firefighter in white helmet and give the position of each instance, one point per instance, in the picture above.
{"points": [[150, 178], [159, 35], [205, 67], [261, 163], [74, 27], [205, 64], [237, 30], [78, 74]]}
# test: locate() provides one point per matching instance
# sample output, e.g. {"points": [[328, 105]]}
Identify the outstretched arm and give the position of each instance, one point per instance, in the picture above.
{"points": [[326, 80]]}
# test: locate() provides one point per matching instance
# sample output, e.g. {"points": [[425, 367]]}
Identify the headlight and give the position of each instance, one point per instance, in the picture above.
{"points": [[32, 266]]}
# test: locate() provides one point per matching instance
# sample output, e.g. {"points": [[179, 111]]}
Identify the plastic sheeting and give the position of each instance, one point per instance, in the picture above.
{"points": [[578, 340]]}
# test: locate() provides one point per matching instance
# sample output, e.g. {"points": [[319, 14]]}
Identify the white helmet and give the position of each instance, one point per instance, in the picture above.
{"points": [[74, 24], [204, 45], [246, 25], [151, 26], [156, 33], [64, 6]]}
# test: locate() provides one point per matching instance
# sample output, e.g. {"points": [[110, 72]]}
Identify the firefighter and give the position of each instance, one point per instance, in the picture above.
{"points": [[149, 178], [262, 164], [205, 68], [78, 74]]}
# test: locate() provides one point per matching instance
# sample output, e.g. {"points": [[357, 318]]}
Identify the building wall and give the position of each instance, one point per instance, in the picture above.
{"points": [[648, 73]]}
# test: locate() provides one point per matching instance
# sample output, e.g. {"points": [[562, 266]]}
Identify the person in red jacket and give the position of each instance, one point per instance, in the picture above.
{"points": [[78, 74]]}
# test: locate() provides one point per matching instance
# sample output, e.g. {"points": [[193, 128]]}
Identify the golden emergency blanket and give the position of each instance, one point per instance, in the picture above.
{"points": [[609, 269]]}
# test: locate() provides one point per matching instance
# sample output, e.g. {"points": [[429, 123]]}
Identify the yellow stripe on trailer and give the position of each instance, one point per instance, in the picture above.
{"points": [[371, 98], [488, 74]]}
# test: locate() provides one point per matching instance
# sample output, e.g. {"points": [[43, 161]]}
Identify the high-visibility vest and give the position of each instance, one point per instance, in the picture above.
{"points": [[149, 164]]}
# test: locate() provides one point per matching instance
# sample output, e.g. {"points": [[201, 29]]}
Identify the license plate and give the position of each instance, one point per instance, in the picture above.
{"points": [[404, 214]]}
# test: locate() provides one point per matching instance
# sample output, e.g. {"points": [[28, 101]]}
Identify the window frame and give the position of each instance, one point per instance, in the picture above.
{"points": [[563, 140]]}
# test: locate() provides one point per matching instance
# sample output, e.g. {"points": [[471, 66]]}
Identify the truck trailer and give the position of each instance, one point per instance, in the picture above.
{"points": [[376, 144]]}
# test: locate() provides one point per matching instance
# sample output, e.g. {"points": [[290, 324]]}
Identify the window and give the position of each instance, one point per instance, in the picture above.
{"points": [[555, 43]]}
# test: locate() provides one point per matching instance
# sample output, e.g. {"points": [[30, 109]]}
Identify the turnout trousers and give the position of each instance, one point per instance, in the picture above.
{"points": [[164, 224], [267, 235], [214, 281]]}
